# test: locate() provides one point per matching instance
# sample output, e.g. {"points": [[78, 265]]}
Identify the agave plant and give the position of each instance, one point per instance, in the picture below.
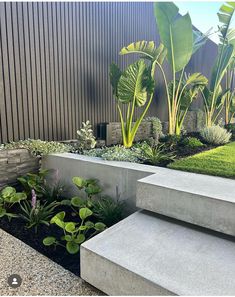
{"points": [[181, 42], [214, 96], [134, 87]]}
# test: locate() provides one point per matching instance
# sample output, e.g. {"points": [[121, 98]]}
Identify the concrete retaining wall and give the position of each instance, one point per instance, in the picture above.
{"points": [[118, 179]]}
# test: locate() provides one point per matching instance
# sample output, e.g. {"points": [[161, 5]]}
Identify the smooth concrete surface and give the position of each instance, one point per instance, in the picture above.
{"points": [[118, 179], [203, 200], [147, 255], [39, 274]]}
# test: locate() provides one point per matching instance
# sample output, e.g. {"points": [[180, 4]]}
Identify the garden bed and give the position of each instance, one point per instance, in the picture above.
{"points": [[38, 212], [16, 227]]}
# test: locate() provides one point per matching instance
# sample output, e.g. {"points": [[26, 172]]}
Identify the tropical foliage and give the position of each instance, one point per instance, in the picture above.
{"points": [[134, 87], [230, 94], [181, 42], [214, 96]]}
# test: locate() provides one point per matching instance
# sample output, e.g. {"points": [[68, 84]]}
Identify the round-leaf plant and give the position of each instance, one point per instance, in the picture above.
{"points": [[74, 233]]}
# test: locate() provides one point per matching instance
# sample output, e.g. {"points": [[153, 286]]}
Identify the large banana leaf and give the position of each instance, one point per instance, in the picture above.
{"points": [[147, 49], [114, 75], [222, 62], [225, 16], [196, 79], [176, 34], [133, 83]]}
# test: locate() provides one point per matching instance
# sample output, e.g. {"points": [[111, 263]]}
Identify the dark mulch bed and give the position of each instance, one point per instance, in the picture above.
{"points": [[16, 227], [183, 152]]}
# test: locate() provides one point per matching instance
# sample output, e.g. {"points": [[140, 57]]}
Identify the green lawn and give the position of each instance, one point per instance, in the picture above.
{"points": [[219, 161]]}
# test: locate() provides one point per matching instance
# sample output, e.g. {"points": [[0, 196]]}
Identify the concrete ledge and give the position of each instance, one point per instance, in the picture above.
{"points": [[147, 255], [203, 200], [114, 176]]}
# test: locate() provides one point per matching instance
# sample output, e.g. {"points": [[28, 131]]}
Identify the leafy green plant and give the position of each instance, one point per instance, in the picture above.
{"points": [[120, 153], [134, 86], [178, 43], [35, 213], [74, 234], [231, 128], [155, 155], [46, 191], [108, 211], [191, 142], [181, 42], [215, 135], [187, 92], [230, 94], [86, 138], [171, 141], [33, 181], [39, 147], [214, 96], [9, 197], [90, 186]]}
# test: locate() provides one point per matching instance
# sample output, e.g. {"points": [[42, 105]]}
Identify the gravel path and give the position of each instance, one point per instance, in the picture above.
{"points": [[40, 275]]}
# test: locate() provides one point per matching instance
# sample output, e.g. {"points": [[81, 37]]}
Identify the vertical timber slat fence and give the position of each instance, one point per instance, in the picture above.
{"points": [[54, 63]]}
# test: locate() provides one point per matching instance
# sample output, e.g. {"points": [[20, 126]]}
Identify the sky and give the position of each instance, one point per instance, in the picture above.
{"points": [[203, 15]]}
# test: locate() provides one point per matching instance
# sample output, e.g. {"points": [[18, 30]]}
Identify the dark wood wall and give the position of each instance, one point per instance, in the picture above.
{"points": [[54, 60]]}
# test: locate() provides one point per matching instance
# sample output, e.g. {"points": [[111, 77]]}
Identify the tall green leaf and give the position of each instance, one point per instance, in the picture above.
{"points": [[147, 49], [114, 75], [132, 85], [225, 15], [175, 33], [222, 62]]}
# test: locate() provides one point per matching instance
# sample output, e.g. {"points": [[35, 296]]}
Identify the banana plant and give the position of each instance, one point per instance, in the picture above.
{"points": [[181, 42], [188, 91], [214, 96], [230, 96], [134, 87]]}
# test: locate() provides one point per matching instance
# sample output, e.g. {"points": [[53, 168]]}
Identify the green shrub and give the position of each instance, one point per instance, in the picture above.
{"points": [[155, 155], [47, 192], [120, 153], [35, 213], [86, 138], [215, 135], [156, 126], [191, 142], [74, 233], [171, 141], [9, 197], [108, 211], [231, 128], [97, 152], [39, 147]]}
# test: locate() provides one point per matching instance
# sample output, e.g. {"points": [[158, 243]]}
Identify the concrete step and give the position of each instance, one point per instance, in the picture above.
{"points": [[207, 201], [147, 254]]}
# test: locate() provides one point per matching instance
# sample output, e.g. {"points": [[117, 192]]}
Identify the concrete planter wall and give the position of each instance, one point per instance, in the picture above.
{"points": [[15, 163], [118, 179]]}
